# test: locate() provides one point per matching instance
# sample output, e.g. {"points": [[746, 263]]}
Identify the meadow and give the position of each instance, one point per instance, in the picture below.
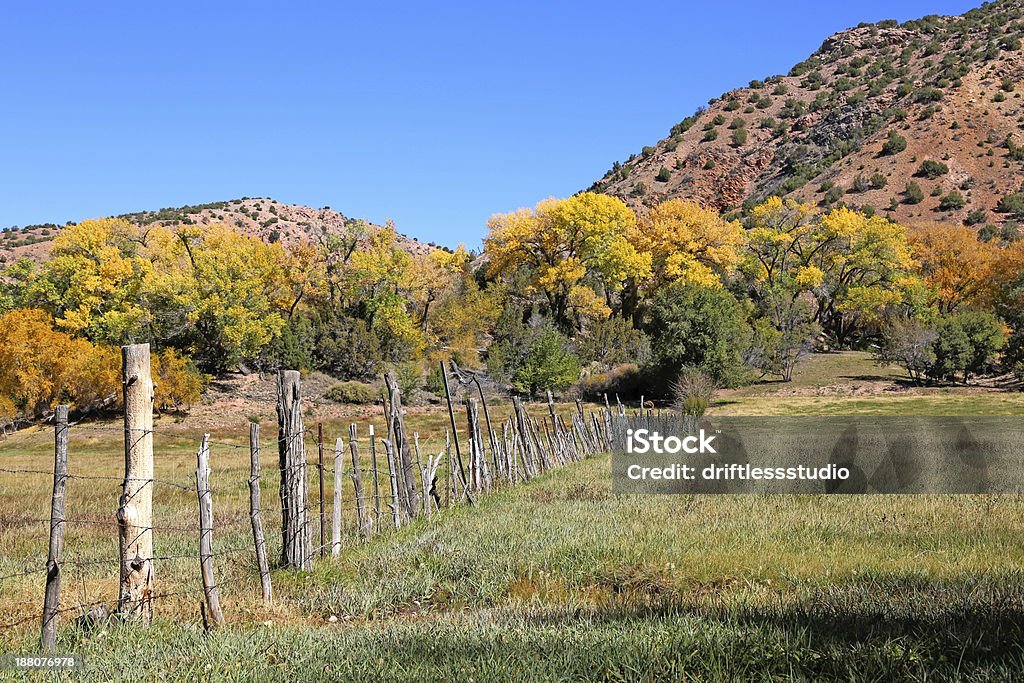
{"points": [[554, 579]]}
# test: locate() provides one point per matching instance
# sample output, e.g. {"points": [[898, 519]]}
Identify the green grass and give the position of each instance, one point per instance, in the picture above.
{"points": [[560, 580]]}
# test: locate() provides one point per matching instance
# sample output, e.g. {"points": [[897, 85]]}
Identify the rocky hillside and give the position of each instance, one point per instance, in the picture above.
{"points": [[919, 121], [267, 219]]}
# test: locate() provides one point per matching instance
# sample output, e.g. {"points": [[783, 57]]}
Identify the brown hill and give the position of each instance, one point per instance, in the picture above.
{"points": [[267, 219], [942, 89]]}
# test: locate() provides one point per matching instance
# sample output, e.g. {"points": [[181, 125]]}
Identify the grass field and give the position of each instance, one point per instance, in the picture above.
{"points": [[558, 579]]}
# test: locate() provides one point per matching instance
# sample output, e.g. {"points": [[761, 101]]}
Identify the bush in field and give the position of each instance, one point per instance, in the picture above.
{"points": [[697, 327], [908, 343], [956, 348], [358, 393], [530, 357], [777, 348], [967, 344], [627, 381], [692, 392], [348, 348]]}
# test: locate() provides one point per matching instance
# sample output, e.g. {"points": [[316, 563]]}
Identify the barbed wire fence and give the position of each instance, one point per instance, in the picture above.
{"points": [[400, 485]]}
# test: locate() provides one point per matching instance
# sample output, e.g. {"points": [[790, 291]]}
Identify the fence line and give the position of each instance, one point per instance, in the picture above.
{"points": [[497, 454]]}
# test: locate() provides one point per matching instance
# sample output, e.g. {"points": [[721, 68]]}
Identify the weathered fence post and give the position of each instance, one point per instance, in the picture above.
{"points": [[206, 533], [51, 603], [255, 516], [424, 488], [395, 509], [320, 469], [400, 442], [451, 416], [336, 516], [376, 483], [362, 519], [135, 509], [292, 462]]}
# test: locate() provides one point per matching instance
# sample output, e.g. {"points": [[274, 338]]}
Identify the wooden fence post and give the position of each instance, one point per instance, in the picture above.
{"points": [[339, 464], [51, 603], [135, 510], [363, 520], [255, 516], [320, 469], [291, 449], [451, 416], [409, 494], [395, 510], [376, 484], [216, 616], [419, 466]]}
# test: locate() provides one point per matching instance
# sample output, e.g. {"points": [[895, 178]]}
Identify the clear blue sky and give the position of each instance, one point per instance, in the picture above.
{"points": [[434, 114]]}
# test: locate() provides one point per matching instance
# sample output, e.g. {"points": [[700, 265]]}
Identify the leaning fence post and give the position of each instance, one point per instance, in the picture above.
{"points": [[254, 513], [451, 417], [135, 511], [206, 532], [292, 462], [51, 603]]}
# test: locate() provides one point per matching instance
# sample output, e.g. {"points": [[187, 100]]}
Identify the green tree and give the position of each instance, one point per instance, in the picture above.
{"points": [[967, 344], [549, 364], [700, 327]]}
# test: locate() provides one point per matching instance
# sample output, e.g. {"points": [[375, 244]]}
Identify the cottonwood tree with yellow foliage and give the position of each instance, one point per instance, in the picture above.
{"points": [[857, 267], [575, 253]]}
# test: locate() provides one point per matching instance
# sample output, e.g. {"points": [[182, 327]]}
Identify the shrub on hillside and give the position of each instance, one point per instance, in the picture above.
{"points": [[952, 201], [895, 144], [912, 193], [931, 169]]}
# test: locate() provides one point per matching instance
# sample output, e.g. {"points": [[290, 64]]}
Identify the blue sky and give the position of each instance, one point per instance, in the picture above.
{"points": [[436, 115]]}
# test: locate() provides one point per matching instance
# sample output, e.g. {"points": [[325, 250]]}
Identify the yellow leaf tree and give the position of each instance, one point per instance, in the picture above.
{"points": [[574, 252]]}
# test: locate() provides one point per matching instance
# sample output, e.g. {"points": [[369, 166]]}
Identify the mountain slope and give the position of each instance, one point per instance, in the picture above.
{"points": [[946, 89], [267, 219]]}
